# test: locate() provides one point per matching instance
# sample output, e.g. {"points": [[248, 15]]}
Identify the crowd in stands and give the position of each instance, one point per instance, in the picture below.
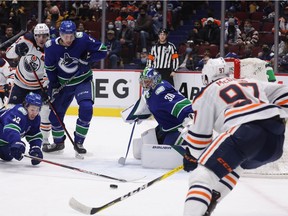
{"points": [[132, 28]]}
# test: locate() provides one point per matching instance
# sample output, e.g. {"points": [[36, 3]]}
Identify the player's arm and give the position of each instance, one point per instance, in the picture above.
{"points": [[175, 59], [96, 49], [20, 48]]}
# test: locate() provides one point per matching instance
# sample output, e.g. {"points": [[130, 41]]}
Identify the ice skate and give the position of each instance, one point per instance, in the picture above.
{"points": [[80, 149], [215, 196], [47, 147]]}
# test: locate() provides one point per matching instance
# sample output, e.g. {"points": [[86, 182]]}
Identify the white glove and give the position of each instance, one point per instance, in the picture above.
{"points": [[188, 120]]}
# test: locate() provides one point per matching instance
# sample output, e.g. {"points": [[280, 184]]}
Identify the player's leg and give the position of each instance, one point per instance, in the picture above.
{"points": [[225, 153], [60, 104], [85, 98], [45, 123], [17, 95]]}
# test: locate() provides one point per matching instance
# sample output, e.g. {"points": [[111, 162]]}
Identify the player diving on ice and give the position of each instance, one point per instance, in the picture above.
{"points": [[30, 50], [249, 116], [21, 121], [67, 63]]}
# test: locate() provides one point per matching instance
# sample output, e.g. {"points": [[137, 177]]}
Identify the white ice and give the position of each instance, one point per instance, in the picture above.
{"points": [[45, 190]]}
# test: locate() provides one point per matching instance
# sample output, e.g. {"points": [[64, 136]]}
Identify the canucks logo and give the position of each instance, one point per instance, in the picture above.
{"points": [[68, 64]]}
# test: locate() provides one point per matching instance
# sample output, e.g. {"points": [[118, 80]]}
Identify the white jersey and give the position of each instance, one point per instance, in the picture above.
{"points": [[24, 76], [6, 73], [228, 102]]}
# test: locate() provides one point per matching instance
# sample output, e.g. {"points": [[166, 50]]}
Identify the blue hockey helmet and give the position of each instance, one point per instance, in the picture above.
{"points": [[33, 99], [149, 78], [67, 27]]}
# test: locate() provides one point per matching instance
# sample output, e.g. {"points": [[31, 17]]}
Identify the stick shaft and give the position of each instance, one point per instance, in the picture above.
{"points": [[74, 168], [130, 139]]}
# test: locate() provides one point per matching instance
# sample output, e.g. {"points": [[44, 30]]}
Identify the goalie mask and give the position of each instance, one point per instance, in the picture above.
{"points": [[149, 78], [214, 69]]}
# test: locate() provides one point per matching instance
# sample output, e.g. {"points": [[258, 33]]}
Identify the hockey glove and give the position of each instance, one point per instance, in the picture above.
{"points": [[189, 162], [21, 49], [7, 89], [17, 150], [35, 151]]}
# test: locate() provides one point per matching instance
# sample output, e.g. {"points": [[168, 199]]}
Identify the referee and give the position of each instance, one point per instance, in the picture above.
{"points": [[164, 57]]}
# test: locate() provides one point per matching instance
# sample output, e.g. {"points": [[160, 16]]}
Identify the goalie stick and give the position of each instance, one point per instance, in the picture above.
{"points": [[78, 206], [79, 170], [122, 160]]}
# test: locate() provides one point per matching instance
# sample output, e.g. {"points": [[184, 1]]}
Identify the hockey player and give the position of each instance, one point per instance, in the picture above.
{"points": [[249, 117], [30, 51], [22, 120], [67, 60], [6, 81]]}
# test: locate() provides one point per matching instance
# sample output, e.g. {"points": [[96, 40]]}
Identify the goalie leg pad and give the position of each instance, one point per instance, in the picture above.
{"points": [[137, 145], [149, 136], [160, 156]]}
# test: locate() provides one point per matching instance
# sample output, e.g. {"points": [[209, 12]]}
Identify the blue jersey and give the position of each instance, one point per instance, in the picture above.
{"points": [[168, 106], [15, 124], [62, 63]]}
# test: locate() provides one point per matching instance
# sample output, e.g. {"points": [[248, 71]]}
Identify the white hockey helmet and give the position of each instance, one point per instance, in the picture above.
{"points": [[40, 29], [214, 69]]}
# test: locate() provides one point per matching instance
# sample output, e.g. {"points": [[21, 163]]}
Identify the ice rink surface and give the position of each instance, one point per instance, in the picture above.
{"points": [[45, 190]]}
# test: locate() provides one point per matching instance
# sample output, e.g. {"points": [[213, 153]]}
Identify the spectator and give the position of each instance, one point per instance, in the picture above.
{"points": [[55, 17], [124, 15], [47, 8], [142, 61], [157, 18], [194, 34], [9, 33], [113, 49], [232, 33], [80, 27], [143, 26], [189, 60], [249, 35], [53, 31], [283, 22], [126, 37], [266, 54], [203, 61], [211, 33]]}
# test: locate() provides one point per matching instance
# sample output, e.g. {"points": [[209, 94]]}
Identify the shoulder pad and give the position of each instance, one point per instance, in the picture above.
{"points": [[79, 34], [159, 90], [48, 43], [29, 37], [22, 110]]}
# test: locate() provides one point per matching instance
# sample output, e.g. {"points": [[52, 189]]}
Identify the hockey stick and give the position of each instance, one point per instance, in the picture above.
{"points": [[122, 160], [77, 154], [75, 168], [76, 205], [13, 38]]}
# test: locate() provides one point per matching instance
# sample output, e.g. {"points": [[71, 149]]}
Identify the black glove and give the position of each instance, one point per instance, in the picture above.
{"points": [[7, 89], [189, 162], [35, 151], [17, 150], [21, 49]]}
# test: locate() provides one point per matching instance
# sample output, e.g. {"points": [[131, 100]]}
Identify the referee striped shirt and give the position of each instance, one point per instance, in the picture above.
{"points": [[163, 56]]}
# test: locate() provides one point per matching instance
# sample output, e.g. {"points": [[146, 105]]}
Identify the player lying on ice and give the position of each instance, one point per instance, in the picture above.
{"points": [[249, 116], [22, 120]]}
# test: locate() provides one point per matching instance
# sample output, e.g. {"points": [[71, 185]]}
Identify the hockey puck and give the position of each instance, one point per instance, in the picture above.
{"points": [[113, 186]]}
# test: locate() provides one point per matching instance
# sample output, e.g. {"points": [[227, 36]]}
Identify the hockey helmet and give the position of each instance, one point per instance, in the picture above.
{"points": [[41, 28], [67, 27], [33, 99], [214, 69], [149, 78]]}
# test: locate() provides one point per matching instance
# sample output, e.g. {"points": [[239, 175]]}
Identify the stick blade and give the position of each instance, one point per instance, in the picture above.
{"points": [[122, 161], [76, 205]]}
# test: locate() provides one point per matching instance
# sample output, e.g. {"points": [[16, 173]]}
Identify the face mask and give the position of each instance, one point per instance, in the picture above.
{"points": [[143, 60], [158, 6], [54, 16], [110, 26], [247, 29], [188, 50]]}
